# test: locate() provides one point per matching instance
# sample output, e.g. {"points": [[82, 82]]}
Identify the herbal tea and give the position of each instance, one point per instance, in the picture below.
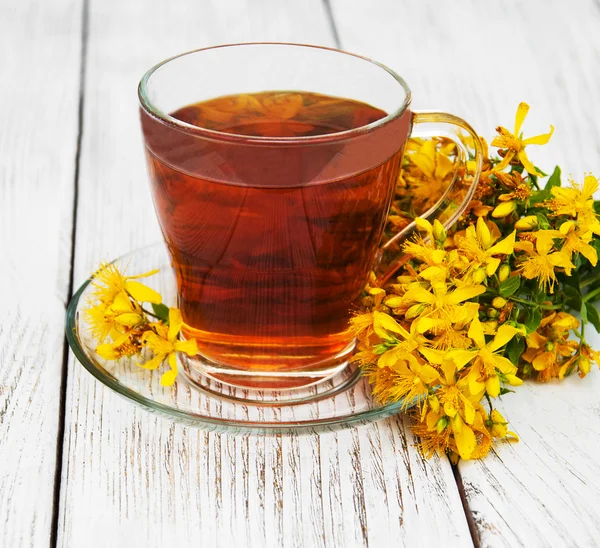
{"points": [[271, 246]]}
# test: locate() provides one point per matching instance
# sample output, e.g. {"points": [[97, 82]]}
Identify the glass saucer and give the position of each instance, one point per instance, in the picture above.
{"points": [[200, 401]]}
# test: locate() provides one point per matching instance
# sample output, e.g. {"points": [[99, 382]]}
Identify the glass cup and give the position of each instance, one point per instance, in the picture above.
{"points": [[272, 238]]}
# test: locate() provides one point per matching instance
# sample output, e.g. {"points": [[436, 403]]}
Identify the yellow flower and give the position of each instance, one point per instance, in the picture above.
{"points": [[515, 145], [400, 349], [113, 319], [549, 344], [541, 263], [575, 200], [432, 175], [439, 303], [503, 209], [127, 344], [109, 282], [500, 426], [577, 241], [476, 246], [410, 379], [487, 361], [165, 345]]}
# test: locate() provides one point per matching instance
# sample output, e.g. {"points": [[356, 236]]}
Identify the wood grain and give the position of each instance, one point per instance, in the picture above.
{"points": [[479, 63], [130, 478], [39, 88]]}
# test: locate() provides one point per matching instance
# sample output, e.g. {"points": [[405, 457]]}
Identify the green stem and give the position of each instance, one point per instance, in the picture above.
{"points": [[591, 295], [589, 281], [149, 313], [551, 306], [523, 301]]}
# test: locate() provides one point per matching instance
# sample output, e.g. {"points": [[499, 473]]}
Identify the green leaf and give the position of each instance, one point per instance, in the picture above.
{"points": [[509, 286], [538, 197], [514, 349], [533, 319], [554, 179], [504, 390], [161, 311], [574, 299], [593, 317]]}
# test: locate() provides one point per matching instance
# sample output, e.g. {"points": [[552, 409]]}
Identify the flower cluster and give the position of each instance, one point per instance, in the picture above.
{"points": [[476, 309], [123, 327]]}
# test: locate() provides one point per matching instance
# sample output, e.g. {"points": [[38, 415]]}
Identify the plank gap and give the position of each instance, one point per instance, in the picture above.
{"points": [[60, 436], [332, 24], [467, 510]]}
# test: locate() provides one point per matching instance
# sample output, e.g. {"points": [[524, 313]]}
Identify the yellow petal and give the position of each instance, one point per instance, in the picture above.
{"points": [[425, 324], [469, 410], [142, 293], [513, 380], [388, 359], [189, 347], [466, 442], [175, 323], [589, 253], [157, 344], [475, 385], [527, 163], [505, 334], [153, 363], [121, 303], [483, 233], [492, 386], [107, 351], [539, 139], [504, 364], [428, 374], [504, 247], [465, 293], [492, 265], [423, 224], [420, 295], [505, 161], [128, 319], [590, 185], [460, 358], [522, 111], [476, 333], [503, 209], [168, 378], [432, 355]]}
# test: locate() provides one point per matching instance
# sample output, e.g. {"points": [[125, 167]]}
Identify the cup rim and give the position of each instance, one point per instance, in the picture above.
{"points": [[153, 111]]}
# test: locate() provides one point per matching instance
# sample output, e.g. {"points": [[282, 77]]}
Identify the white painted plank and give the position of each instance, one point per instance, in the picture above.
{"points": [[39, 86], [480, 62], [131, 478]]}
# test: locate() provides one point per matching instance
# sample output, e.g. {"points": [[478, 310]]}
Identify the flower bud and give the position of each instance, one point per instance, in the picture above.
{"points": [[527, 223], [492, 312], [499, 302], [438, 232], [504, 209], [503, 272], [479, 275], [549, 346], [414, 311]]}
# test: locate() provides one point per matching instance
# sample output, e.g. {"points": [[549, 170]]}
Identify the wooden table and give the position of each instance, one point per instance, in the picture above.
{"points": [[81, 467]]}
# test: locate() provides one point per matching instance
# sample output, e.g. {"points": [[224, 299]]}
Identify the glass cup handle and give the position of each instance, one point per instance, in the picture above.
{"points": [[459, 192]]}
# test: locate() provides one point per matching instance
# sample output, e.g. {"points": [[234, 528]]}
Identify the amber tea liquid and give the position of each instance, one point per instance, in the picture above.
{"points": [[271, 246]]}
